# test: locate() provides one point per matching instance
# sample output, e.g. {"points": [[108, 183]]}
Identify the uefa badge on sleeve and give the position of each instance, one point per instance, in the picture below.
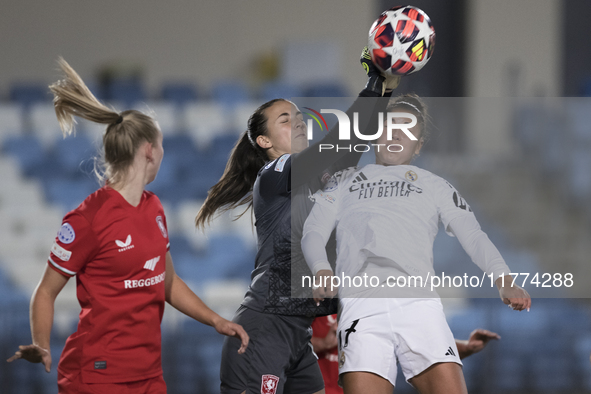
{"points": [[161, 226], [66, 234]]}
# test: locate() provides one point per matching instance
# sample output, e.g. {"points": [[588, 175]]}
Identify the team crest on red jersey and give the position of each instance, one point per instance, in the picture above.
{"points": [[269, 384], [161, 226]]}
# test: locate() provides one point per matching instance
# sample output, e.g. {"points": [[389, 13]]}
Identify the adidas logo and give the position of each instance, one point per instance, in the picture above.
{"points": [[124, 245], [450, 352], [360, 178], [151, 264]]}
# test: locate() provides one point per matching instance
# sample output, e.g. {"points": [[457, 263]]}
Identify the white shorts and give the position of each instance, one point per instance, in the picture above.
{"points": [[375, 333]]}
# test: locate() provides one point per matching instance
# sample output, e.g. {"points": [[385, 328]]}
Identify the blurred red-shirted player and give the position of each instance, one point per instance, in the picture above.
{"points": [[116, 244], [325, 343]]}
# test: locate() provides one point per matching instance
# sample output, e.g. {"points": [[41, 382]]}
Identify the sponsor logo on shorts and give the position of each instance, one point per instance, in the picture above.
{"points": [[269, 384], [66, 234], [161, 226], [124, 245], [60, 252]]}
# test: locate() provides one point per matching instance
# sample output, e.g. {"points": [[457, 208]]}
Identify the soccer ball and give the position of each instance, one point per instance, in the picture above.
{"points": [[401, 40]]}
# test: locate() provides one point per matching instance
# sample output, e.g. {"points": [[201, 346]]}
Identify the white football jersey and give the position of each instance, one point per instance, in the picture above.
{"points": [[387, 217]]}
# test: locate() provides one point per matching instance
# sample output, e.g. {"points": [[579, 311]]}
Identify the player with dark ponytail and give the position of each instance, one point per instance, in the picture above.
{"points": [[116, 244], [273, 170], [246, 159]]}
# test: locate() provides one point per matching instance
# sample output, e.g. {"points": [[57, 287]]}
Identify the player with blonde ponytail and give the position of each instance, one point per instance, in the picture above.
{"points": [[116, 244]]}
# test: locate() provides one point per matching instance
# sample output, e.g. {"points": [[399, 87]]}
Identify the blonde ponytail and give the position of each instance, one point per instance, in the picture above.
{"points": [[124, 133], [73, 98]]}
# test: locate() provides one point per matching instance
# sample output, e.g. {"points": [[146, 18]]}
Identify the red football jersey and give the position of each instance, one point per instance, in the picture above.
{"points": [[329, 360], [118, 254]]}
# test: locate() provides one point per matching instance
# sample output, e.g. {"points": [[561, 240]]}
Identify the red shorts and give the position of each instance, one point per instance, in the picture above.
{"points": [[154, 385]]}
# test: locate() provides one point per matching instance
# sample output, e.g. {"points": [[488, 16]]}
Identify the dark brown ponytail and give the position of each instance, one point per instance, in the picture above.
{"points": [[246, 159]]}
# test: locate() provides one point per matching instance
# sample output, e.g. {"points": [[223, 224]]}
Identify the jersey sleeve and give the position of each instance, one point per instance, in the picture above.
{"points": [[459, 221], [74, 245], [275, 177], [478, 246]]}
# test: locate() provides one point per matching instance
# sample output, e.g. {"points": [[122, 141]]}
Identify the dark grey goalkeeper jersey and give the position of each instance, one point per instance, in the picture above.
{"points": [[281, 203]]}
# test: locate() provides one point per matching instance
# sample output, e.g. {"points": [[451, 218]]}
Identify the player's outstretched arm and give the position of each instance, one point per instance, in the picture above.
{"points": [[42, 304], [478, 339], [182, 298]]}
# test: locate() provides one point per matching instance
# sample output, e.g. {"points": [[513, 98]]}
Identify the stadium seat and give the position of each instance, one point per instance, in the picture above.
{"points": [[165, 113], [44, 123], [27, 150], [75, 156], [241, 115], [578, 117], [326, 90], [180, 145], [11, 121], [553, 373], [222, 145], [275, 90], [230, 93], [579, 181], [553, 146], [204, 121], [68, 194], [179, 93], [180, 244], [511, 373], [128, 92]]}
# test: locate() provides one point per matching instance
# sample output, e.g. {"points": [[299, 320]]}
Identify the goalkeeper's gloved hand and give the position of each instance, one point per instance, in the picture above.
{"points": [[377, 82]]}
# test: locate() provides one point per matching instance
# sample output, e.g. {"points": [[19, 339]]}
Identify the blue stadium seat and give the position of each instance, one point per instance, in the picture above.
{"points": [[511, 373], [586, 87], [179, 245], [75, 155], [274, 90], [179, 93], [579, 181], [69, 193], [470, 318], [126, 91], [199, 182], [230, 93], [553, 374], [326, 90], [195, 268], [28, 151], [180, 145], [222, 145], [28, 93]]}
